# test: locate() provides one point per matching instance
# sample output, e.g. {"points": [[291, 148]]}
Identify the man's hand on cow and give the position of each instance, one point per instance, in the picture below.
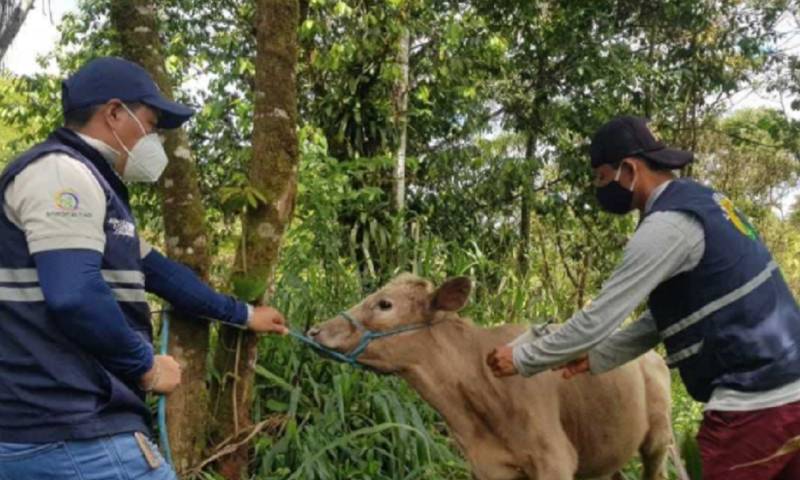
{"points": [[501, 361], [267, 320], [575, 367]]}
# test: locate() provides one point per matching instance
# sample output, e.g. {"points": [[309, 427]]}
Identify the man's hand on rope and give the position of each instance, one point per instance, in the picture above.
{"points": [[267, 320], [164, 377]]}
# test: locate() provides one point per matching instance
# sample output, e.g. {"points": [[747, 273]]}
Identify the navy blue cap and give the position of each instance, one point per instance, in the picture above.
{"points": [[628, 136], [109, 77]]}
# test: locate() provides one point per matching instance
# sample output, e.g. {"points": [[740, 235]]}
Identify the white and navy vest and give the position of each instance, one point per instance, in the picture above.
{"points": [[49, 388], [731, 321]]}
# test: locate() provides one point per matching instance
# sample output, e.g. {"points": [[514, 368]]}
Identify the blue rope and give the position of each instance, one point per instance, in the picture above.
{"points": [[351, 358], [319, 348], [162, 400]]}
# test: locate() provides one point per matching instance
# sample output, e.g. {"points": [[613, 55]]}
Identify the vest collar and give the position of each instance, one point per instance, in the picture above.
{"points": [[654, 196], [72, 140], [105, 150]]}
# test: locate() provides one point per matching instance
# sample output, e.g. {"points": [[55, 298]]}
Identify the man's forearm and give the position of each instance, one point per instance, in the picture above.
{"points": [[625, 345], [570, 341], [658, 250], [181, 287]]}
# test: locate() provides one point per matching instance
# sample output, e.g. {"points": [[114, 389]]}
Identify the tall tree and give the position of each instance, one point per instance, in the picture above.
{"points": [[272, 172], [186, 238], [12, 16], [400, 105]]}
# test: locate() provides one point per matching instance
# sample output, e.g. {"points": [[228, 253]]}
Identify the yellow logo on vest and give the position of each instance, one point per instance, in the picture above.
{"points": [[67, 200], [737, 219], [67, 205]]}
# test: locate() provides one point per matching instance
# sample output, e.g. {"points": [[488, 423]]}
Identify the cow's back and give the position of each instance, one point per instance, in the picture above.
{"points": [[608, 418]]}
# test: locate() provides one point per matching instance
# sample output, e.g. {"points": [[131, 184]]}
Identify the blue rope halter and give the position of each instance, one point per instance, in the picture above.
{"points": [[351, 357]]}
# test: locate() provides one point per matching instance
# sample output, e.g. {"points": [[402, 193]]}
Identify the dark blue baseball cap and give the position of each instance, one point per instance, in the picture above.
{"points": [[109, 77], [628, 136]]}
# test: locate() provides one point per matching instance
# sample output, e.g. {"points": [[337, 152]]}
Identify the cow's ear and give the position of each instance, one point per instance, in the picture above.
{"points": [[452, 295]]}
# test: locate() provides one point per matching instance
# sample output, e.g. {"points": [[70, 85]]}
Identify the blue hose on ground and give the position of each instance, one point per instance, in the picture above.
{"points": [[162, 400]]}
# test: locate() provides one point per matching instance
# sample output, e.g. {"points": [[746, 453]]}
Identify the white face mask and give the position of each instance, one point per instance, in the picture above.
{"points": [[147, 159]]}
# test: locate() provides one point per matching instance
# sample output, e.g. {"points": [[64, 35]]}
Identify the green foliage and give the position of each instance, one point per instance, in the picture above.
{"points": [[8, 133], [341, 423], [503, 97], [690, 452], [748, 155]]}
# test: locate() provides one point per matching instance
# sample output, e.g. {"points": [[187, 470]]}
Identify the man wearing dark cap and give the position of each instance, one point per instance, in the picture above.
{"points": [[76, 354], [715, 298]]}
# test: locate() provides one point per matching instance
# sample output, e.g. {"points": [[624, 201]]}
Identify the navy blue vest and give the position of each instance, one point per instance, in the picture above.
{"points": [[49, 388], [731, 321]]}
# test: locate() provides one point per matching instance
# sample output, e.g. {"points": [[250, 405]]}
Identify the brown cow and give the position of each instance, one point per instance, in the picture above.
{"points": [[543, 427]]}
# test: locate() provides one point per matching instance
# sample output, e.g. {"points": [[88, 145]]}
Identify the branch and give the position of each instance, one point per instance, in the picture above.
{"points": [[449, 141], [564, 261], [226, 447]]}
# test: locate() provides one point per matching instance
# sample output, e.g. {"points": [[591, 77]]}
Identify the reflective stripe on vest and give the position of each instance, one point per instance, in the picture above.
{"points": [[710, 308], [685, 353], [29, 293]]}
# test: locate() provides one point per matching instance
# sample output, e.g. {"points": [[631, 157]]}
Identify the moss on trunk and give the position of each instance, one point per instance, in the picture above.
{"points": [[186, 238], [273, 172]]}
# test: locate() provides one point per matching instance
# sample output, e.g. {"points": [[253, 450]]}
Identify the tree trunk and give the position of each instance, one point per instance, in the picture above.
{"points": [[400, 103], [11, 22], [185, 238], [400, 107], [525, 208], [273, 172]]}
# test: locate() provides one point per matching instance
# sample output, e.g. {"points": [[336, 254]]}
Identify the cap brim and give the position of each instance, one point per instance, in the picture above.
{"points": [[171, 114], [669, 157]]}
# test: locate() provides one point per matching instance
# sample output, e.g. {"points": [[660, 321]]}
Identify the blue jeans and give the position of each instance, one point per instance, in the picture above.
{"points": [[117, 457]]}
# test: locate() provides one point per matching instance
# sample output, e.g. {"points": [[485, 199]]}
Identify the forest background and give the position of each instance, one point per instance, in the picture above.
{"points": [[340, 142]]}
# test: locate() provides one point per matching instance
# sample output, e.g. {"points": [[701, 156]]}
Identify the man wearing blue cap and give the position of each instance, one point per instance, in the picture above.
{"points": [[76, 355], [715, 298]]}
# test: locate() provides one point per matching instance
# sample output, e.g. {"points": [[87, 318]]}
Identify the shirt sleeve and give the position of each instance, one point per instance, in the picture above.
{"points": [[89, 315], [661, 247], [59, 204], [625, 345], [181, 287]]}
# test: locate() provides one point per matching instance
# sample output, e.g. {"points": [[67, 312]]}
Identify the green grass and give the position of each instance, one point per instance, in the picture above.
{"points": [[339, 422]]}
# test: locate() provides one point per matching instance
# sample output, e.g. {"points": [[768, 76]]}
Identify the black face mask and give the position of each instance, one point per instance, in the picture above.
{"points": [[614, 198]]}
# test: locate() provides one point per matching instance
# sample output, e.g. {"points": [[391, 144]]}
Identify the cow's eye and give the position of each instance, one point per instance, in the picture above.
{"points": [[385, 305]]}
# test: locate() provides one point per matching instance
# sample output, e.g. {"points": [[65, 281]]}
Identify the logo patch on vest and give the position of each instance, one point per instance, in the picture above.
{"points": [[737, 219], [122, 227], [67, 203], [67, 200]]}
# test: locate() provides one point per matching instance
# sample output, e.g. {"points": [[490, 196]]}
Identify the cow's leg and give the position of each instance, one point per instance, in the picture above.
{"points": [[656, 444], [556, 462], [654, 456], [616, 476], [552, 471]]}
